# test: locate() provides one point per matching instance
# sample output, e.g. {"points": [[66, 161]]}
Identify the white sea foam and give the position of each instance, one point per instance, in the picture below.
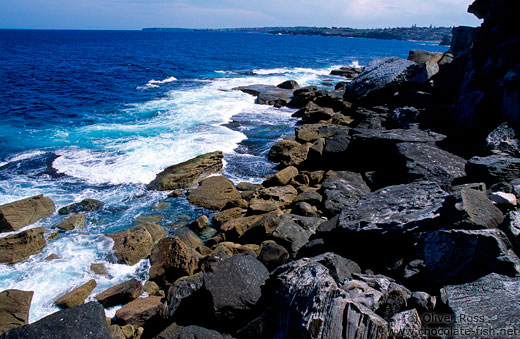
{"points": [[22, 156], [156, 83], [183, 125], [51, 279]]}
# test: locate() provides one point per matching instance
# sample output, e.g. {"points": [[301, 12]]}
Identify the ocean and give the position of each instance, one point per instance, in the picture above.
{"points": [[97, 114]]}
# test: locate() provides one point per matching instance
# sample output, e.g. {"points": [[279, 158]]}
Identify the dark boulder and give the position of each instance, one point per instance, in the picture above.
{"points": [[235, 286], [302, 97], [294, 231], [85, 321], [188, 173], [341, 269], [341, 192], [313, 114], [380, 79], [347, 72], [428, 162], [459, 256], [304, 301], [184, 300], [493, 168], [404, 117], [289, 84], [472, 209], [268, 94], [273, 255], [491, 302], [401, 208]]}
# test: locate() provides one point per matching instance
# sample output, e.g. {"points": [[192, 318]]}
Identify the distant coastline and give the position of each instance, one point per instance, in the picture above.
{"points": [[442, 35]]}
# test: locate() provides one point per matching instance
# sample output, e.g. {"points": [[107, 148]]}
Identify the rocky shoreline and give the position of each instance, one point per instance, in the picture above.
{"points": [[393, 214]]}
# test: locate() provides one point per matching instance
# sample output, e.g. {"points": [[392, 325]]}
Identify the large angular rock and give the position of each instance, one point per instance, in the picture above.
{"points": [[504, 140], [305, 302], [472, 209], [18, 214], [407, 325], [380, 79], [458, 256], [140, 311], [401, 208], [136, 243], [428, 162], [188, 173], [77, 296], [289, 153], [313, 114], [181, 296], [170, 260], [493, 168], [14, 309], [492, 301], [294, 231], [342, 192], [303, 96], [85, 321], [214, 193], [272, 255], [121, 293], [235, 286], [339, 268], [20, 246], [235, 228], [191, 332]]}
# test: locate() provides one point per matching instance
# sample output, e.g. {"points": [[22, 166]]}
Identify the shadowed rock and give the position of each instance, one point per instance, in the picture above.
{"points": [[86, 321], [120, 294]]}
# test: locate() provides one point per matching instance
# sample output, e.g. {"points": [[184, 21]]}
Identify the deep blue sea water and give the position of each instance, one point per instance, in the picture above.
{"points": [[96, 114]]}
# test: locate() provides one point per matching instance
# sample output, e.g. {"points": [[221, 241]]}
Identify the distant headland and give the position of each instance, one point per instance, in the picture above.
{"points": [[435, 34]]}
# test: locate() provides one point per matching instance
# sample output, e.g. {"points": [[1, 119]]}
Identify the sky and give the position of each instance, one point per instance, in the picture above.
{"points": [[136, 14]]}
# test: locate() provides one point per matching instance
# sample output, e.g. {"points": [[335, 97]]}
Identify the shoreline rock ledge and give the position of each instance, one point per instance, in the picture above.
{"points": [[188, 173], [25, 212]]}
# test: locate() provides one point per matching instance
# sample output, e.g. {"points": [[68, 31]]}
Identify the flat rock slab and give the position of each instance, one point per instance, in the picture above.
{"points": [[14, 309], [400, 208], [456, 256], [312, 132], [188, 173], [493, 302], [268, 94], [235, 286], [86, 321], [18, 214], [428, 162], [77, 296], [342, 192], [493, 168], [395, 135], [214, 193], [121, 293], [20, 246]]}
